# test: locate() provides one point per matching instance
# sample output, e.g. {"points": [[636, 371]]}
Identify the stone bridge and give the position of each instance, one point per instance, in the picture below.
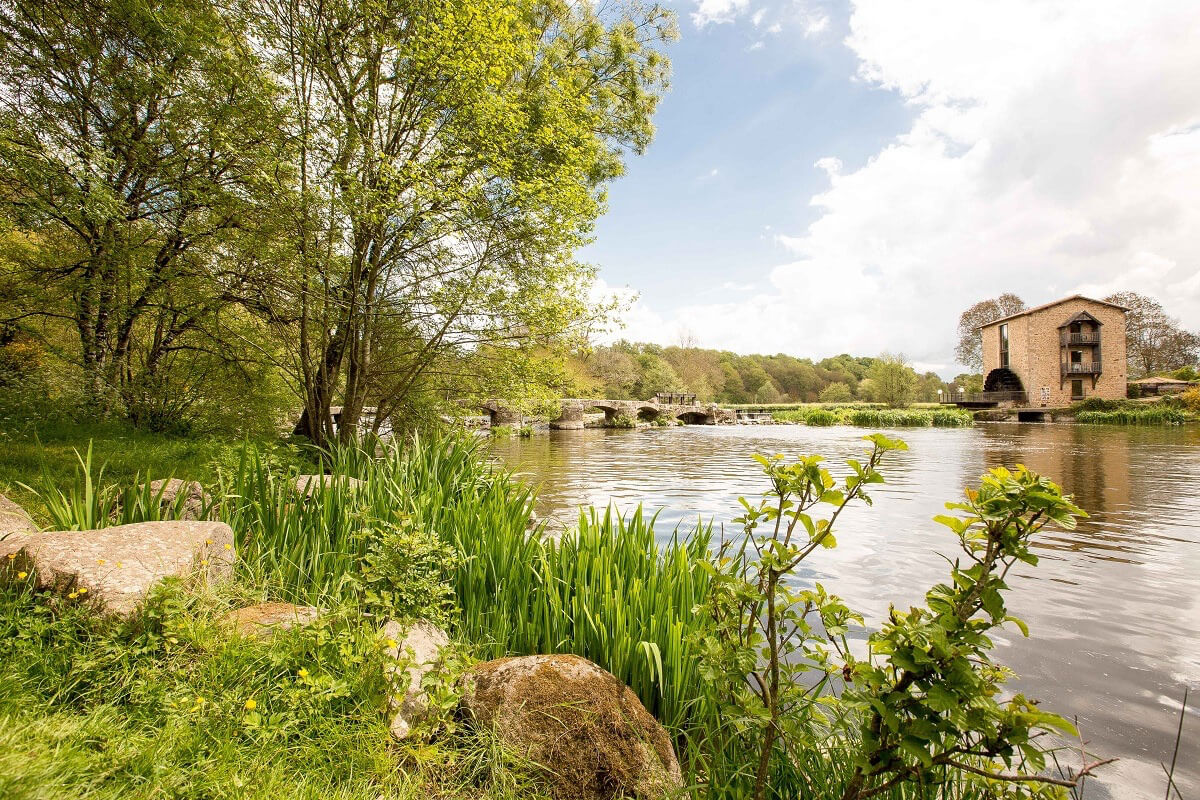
{"points": [[572, 410]]}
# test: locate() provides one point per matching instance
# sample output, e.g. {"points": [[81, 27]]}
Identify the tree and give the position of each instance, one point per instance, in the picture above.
{"points": [[135, 140], [654, 375], [969, 350], [1154, 341], [893, 381], [451, 157], [835, 392], [971, 383]]}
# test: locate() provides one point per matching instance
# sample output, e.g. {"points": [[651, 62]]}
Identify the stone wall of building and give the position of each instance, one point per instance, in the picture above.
{"points": [[1036, 355]]}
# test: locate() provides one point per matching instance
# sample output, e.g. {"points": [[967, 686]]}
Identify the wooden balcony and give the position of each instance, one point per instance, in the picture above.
{"points": [[1092, 338], [1081, 368]]}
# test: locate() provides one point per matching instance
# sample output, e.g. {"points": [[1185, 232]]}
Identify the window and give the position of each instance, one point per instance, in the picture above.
{"points": [[1004, 345], [1076, 390]]}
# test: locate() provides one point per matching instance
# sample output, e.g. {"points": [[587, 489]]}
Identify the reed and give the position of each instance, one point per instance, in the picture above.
{"points": [[1149, 415]]}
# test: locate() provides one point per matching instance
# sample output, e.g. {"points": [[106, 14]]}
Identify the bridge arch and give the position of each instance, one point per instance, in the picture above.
{"points": [[611, 409], [648, 413], [695, 418]]}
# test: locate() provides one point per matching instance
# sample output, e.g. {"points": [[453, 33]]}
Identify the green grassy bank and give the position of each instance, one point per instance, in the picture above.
{"points": [[165, 705]]}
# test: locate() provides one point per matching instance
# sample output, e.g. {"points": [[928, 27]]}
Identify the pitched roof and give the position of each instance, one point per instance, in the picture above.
{"points": [[1158, 380], [1082, 316], [1052, 304]]}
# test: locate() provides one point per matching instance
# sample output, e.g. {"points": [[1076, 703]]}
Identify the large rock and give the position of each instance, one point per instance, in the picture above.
{"points": [[119, 565], [413, 651], [197, 502], [262, 620], [307, 484], [590, 732], [13, 518]]}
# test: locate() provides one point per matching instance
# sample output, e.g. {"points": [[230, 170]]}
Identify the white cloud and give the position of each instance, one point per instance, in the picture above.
{"points": [[1055, 147], [718, 11], [775, 28], [815, 23], [759, 45], [758, 17]]}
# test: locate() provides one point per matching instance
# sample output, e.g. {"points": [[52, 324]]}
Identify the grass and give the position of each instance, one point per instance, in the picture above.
{"points": [[158, 708], [1134, 415], [47, 455], [97, 710], [876, 417]]}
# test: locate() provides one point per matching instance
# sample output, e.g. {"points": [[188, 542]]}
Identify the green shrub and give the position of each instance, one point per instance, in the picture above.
{"points": [[889, 418], [1148, 415], [1099, 404], [952, 418], [822, 417], [623, 421], [406, 572]]}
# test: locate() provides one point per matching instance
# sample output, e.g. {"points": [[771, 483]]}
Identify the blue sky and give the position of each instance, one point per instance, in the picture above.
{"points": [[832, 177]]}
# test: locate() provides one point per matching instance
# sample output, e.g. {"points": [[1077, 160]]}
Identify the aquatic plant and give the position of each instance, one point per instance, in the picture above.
{"points": [[1147, 415]]}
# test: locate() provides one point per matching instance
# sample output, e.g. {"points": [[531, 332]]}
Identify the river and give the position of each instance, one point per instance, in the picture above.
{"points": [[1113, 608]]}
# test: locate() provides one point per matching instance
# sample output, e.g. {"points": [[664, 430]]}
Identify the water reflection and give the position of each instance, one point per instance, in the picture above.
{"points": [[1113, 605]]}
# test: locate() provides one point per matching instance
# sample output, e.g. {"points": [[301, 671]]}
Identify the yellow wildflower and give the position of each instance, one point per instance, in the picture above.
{"points": [[11, 556], [228, 547], [208, 541], [120, 564], [73, 595], [83, 590], [22, 575], [303, 673], [101, 561], [392, 643], [250, 704]]}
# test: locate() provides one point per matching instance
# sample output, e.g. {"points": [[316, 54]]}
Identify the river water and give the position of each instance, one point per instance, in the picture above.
{"points": [[1113, 608]]}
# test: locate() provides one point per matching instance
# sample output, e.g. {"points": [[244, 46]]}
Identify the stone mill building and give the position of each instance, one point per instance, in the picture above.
{"points": [[1055, 354]]}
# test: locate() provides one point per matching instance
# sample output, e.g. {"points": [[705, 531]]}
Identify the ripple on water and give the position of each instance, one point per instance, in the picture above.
{"points": [[1114, 606]]}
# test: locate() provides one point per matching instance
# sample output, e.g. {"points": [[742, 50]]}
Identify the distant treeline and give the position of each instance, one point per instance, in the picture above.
{"points": [[638, 370]]}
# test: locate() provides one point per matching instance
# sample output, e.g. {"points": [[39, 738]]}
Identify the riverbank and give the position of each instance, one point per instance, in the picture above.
{"points": [[616, 591]]}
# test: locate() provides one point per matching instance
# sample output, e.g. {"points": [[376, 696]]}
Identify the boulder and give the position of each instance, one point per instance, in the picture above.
{"points": [[587, 729], [13, 518], [307, 484], [119, 565], [197, 500], [262, 620], [414, 650]]}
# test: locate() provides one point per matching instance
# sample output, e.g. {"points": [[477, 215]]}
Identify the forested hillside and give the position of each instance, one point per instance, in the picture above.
{"points": [[636, 370]]}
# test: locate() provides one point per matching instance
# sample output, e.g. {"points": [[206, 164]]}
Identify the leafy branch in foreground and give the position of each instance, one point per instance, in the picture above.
{"points": [[928, 690], [763, 639]]}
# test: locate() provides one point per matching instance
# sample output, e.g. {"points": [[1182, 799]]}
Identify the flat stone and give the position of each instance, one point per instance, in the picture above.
{"points": [[119, 565], [13, 518], [416, 651], [262, 620], [587, 730], [307, 484]]}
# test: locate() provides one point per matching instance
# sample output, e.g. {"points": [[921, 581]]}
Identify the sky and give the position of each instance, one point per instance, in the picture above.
{"points": [[835, 176]]}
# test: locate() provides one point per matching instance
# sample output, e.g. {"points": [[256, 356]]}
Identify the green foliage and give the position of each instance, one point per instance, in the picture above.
{"points": [[1134, 415], [622, 421], [509, 431], [171, 705], [928, 690], [760, 647], [873, 417], [406, 572], [836, 392], [1191, 399], [893, 381]]}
